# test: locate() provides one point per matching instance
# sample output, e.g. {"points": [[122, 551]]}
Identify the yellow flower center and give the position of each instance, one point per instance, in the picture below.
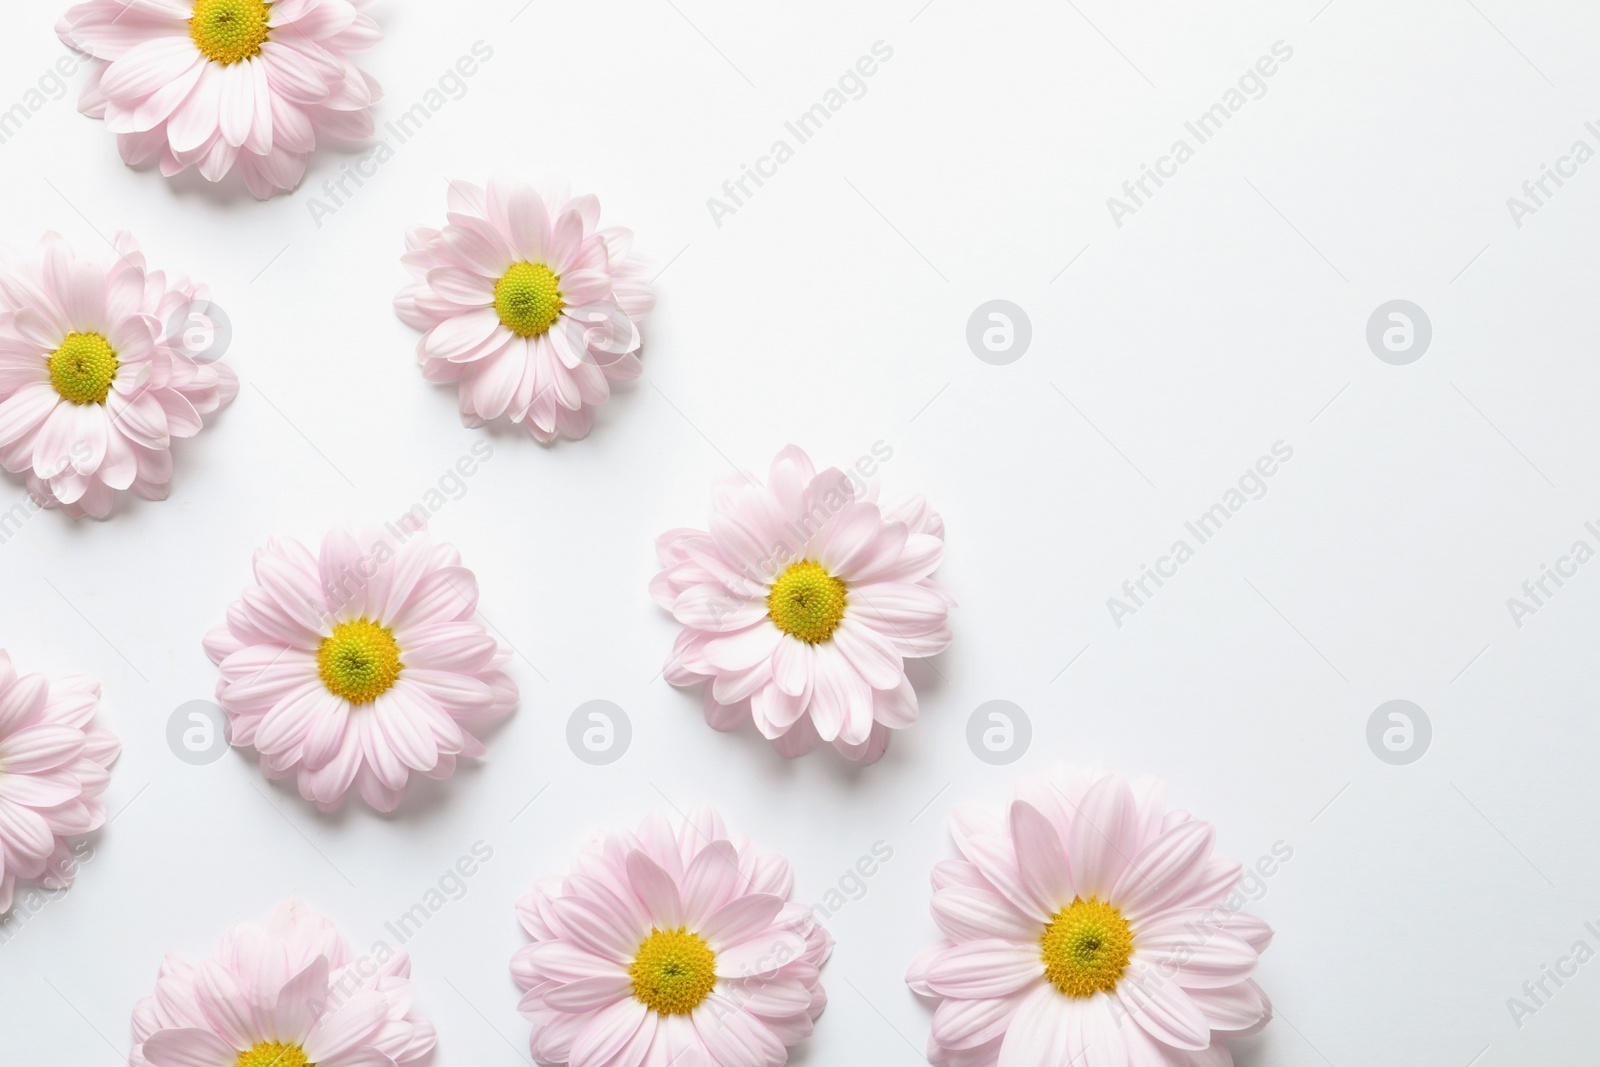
{"points": [[359, 661], [229, 31], [83, 368], [528, 299], [673, 971], [807, 602], [1086, 947], [273, 1054]]}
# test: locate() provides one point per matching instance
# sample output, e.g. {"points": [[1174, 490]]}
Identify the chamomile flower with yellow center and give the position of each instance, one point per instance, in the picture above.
{"points": [[288, 992], [359, 666], [1087, 923], [225, 85], [801, 604], [92, 390], [527, 306], [673, 944]]}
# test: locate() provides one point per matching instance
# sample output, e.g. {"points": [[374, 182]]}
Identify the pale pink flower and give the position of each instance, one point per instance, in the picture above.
{"points": [[529, 307], [360, 665], [54, 765], [92, 390], [1088, 924], [219, 84], [286, 993], [802, 604], [670, 948]]}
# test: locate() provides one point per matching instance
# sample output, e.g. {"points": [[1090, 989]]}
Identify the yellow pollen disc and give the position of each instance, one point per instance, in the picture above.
{"points": [[273, 1054], [229, 31], [806, 602], [359, 661], [528, 299], [1086, 947], [673, 971], [83, 368]]}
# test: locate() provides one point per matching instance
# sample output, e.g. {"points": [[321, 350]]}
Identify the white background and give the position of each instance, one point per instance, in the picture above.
{"points": [[1227, 314]]}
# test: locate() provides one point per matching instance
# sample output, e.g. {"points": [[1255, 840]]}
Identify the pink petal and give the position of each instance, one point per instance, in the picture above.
{"points": [[23, 411], [187, 1048], [237, 102], [990, 968], [733, 1036], [656, 891], [301, 1002], [740, 919], [607, 1034], [969, 914], [194, 122], [529, 225], [1164, 870], [146, 67], [40, 748], [1201, 956], [590, 994], [1100, 840], [1162, 1009]]}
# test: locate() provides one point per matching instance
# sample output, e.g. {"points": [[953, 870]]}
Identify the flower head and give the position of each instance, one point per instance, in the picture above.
{"points": [[285, 993], [92, 390], [224, 84], [1087, 923], [359, 665], [54, 765], [671, 945], [529, 307], [802, 603]]}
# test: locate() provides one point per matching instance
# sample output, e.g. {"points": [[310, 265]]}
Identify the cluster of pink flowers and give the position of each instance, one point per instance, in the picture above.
{"points": [[1084, 922]]}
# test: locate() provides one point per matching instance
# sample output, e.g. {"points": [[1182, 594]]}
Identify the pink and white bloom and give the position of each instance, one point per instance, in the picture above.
{"points": [[1089, 924], [801, 605], [54, 765], [670, 947], [286, 993], [224, 84], [92, 390], [529, 307], [359, 665]]}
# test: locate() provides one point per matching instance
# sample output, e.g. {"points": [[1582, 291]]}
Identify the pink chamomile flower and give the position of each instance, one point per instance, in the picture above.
{"points": [[224, 84], [92, 389], [1088, 923], [285, 993], [528, 306], [359, 665], [54, 765], [672, 946], [802, 604]]}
